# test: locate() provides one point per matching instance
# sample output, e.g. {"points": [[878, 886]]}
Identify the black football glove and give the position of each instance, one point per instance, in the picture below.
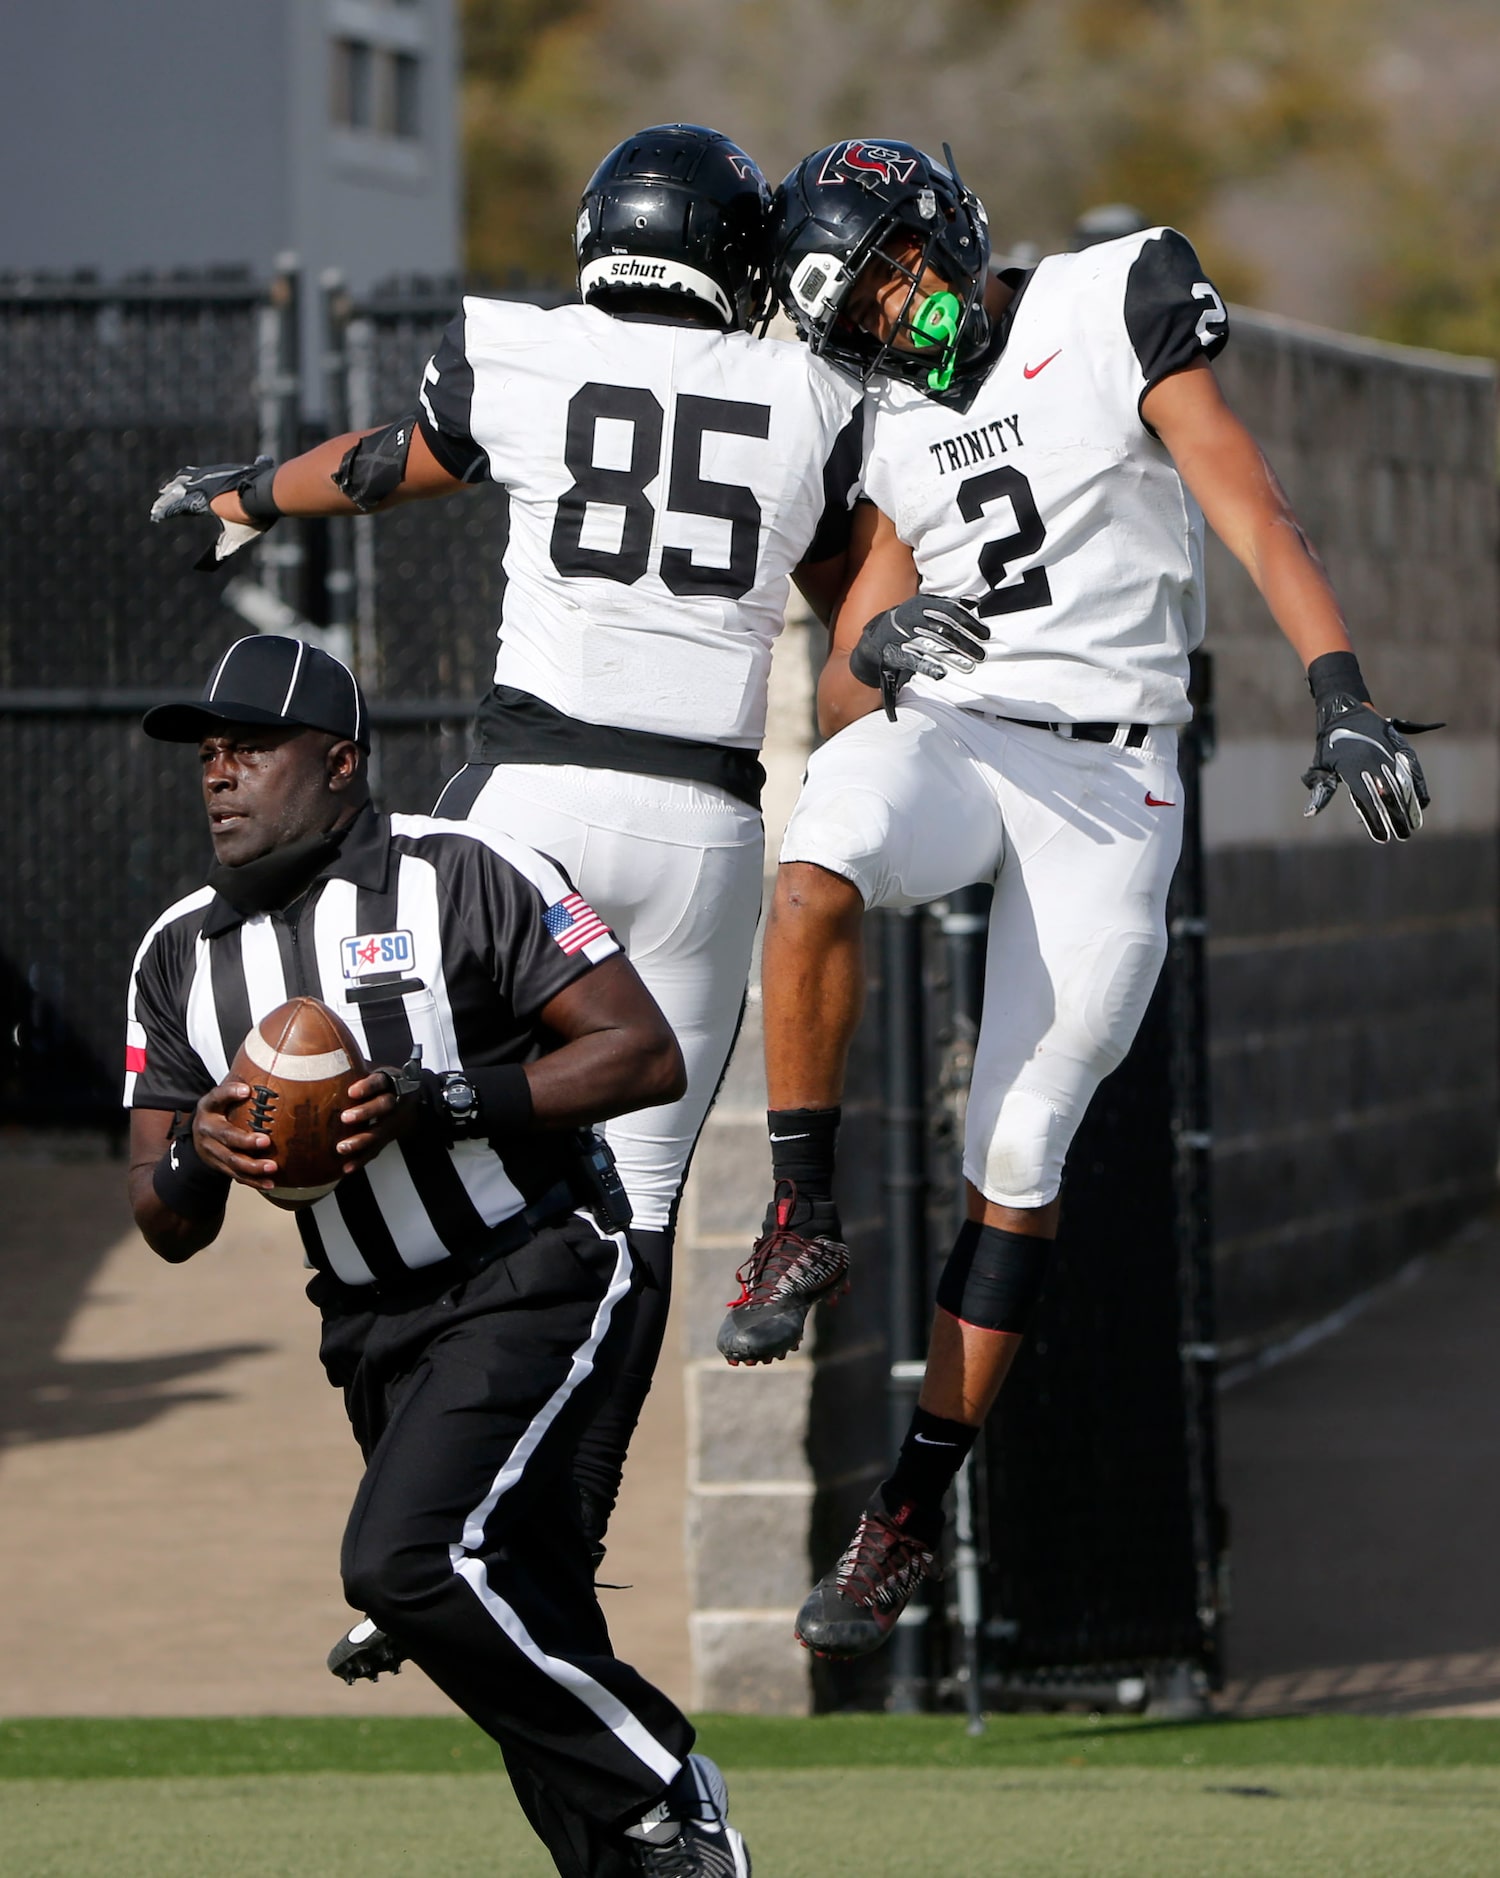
{"points": [[925, 634], [192, 489], [1365, 751]]}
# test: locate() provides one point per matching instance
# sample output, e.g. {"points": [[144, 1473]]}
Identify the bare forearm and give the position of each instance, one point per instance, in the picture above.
{"points": [[842, 699], [607, 1072], [169, 1235]]}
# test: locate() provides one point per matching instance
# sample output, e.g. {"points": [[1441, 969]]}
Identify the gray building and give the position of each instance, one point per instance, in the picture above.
{"points": [[173, 134]]}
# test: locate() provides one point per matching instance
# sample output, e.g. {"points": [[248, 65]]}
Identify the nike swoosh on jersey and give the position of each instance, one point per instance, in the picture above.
{"points": [[1156, 802], [1030, 371]]}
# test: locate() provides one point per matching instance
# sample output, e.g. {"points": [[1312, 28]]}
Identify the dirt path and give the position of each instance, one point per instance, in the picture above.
{"points": [[176, 1472]]}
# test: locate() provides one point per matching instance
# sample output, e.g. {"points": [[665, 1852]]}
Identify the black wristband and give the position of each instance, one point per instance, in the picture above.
{"points": [[1337, 675], [505, 1106], [186, 1184], [256, 498]]}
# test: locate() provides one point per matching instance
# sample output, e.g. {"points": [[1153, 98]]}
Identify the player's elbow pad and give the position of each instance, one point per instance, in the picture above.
{"points": [[375, 467]]}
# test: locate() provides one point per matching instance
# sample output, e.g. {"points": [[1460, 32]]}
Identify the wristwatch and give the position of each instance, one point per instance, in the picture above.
{"points": [[459, 1101]]}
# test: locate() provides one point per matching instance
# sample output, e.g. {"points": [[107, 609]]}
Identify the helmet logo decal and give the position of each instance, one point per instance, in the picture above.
{"points": [[869, 159], [741, 165]]}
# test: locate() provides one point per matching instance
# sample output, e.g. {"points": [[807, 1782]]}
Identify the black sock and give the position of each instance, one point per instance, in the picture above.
{"points": [[803, 1143], [930, 1457]]}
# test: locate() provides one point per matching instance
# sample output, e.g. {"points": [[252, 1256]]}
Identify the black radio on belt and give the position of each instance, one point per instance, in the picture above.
{"points": [[596, 1181]]}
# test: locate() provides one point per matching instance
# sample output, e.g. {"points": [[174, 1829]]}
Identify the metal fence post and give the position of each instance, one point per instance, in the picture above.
{"points": [[338, 574], [279, 398], [965, 920], [905, 1186]]}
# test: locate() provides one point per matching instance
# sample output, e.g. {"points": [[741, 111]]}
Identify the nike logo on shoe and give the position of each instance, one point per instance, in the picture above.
{"points": [[1030, 371], [1156, 802]]}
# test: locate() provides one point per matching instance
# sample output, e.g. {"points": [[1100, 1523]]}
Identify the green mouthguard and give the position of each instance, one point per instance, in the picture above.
{"points": [[937, 325]]}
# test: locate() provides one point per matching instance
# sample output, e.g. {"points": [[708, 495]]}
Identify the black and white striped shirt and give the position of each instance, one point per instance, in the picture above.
{"points": [[436, 933]]}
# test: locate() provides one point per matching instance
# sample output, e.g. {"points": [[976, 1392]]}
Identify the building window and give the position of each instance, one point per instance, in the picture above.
{"points": [[375, 89]]}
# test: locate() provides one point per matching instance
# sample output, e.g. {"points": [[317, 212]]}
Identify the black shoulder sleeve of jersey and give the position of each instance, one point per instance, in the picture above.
{"points": [[840, 476], [174, 1076], [1173, 312], [531, 945], [447, 408]]}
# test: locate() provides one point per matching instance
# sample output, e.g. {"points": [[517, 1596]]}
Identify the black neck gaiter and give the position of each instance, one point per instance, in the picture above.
{"points": [[276, 879]]}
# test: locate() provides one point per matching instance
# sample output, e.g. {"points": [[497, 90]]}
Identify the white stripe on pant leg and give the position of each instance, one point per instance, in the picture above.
{"points": [[624, 1726]]}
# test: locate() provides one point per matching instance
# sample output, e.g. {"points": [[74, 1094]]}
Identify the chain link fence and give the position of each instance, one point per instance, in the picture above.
{"points": [[105, 388]]}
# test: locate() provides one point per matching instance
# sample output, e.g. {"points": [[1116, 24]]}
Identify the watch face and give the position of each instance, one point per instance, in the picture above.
{"points": [[459, 1096]]}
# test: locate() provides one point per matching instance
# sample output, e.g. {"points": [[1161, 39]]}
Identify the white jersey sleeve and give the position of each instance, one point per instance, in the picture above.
{"points": [[663, 482], [1047, 503]]}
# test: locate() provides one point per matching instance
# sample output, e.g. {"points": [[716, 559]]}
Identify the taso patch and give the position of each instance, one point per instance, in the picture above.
{"points": [[369, 953]]}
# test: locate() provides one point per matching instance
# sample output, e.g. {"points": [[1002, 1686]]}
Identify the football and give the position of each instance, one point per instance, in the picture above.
{"points": [[299, 1061]]}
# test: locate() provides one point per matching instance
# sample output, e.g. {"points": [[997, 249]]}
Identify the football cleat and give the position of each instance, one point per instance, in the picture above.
{"points": [[789, 1270], [364, 1654], [854, 1608], [689, 1835]]}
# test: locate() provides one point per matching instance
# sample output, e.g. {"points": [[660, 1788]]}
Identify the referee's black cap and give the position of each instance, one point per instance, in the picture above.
{"points": [[267, 679]]}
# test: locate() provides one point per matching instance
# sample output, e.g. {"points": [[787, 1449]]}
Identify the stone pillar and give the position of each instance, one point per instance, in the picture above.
{"points": [[780, 1457]]}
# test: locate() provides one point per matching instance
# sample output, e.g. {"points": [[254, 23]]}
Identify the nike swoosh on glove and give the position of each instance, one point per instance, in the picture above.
{"points": [[926, 634], [191, 491], [1367, 752]]}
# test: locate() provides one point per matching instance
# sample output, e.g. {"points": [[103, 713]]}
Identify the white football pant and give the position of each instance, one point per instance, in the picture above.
{"points": [[1080, 840], [675, 869]]}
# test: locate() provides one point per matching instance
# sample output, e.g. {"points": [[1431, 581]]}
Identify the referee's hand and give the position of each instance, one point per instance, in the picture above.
{"points": [[377, 1118], [231, 1150]]}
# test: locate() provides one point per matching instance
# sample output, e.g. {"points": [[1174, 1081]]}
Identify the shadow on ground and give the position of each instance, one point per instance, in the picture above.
{"points": [[62, 1218]]}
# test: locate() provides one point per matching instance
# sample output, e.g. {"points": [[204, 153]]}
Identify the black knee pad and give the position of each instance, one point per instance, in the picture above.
{"points": [[993, 1277]]}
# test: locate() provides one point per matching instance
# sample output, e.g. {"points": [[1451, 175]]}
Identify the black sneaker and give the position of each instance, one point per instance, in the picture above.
{"points": [[689, 1835], [364, 1654], [797, 1263], [854, 1608]]}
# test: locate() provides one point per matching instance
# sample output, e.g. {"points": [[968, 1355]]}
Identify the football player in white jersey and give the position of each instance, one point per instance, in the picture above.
{"points": [[666, 472], [1026, 583]]}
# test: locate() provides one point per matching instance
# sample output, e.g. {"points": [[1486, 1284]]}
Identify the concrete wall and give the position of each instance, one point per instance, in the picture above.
{"points": [[1352, 989]]}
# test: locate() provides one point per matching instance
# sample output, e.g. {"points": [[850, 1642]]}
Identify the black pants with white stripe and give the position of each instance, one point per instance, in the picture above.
{"points": [[464, 1543]]}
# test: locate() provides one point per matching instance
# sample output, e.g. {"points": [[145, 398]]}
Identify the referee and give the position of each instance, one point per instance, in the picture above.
{"points": [[469, 1303]]}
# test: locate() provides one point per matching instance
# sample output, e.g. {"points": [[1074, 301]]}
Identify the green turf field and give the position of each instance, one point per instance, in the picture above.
{"points": [[881, 1797]]}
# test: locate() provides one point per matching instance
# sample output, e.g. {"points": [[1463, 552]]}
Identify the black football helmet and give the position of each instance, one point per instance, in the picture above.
{"points": [[862, 203], [677, 209]]}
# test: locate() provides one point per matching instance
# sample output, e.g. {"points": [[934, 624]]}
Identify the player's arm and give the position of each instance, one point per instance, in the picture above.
{"points": [[1247, 508], [426, 453], [885, 630], [822, 584], [311, 484], [881, 573]]}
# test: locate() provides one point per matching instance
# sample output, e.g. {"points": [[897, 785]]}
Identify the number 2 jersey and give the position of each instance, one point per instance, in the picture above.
{"points": [[1048, 505], [663, 481]]}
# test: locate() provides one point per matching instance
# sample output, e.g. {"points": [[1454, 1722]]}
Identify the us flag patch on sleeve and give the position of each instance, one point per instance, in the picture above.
{"points": [[574, 924]]}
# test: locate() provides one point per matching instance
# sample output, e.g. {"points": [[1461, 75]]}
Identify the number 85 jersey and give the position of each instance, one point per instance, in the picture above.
{"points": [[1048, 505], [663, 481]]}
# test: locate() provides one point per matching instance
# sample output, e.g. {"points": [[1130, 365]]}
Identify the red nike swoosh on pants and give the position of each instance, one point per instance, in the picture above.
{"points": [[1155, 802]]}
